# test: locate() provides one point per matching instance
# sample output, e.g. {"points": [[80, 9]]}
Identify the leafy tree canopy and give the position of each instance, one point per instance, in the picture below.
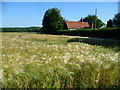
{"points": [[116, 20], [109, 23], [91, 19], [52, 20]]}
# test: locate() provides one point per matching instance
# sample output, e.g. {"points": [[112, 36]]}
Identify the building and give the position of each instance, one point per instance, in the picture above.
{"points": [[72, 25], [119, 7]]}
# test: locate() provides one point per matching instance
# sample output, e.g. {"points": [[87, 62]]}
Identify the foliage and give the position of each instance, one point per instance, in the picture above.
{"points": [[91, 19], [81, 20], [99, 23], [110, 23], [116, 20], [54, 61], [27, 29], [52, 20], [113, 33]]}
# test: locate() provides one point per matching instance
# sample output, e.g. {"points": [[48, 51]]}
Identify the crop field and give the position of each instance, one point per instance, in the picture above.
{"points": [[56, 61]]}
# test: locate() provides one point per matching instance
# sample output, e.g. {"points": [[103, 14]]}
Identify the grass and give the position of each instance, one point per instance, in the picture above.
{"points": [[56, 61]]}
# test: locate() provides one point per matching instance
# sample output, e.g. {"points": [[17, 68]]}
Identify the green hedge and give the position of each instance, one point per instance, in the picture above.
{"points": [[27, 29], [113, 33]]}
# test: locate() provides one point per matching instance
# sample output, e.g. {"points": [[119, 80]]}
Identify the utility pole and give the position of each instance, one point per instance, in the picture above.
{"points": [[95, 18], [119, 7]]}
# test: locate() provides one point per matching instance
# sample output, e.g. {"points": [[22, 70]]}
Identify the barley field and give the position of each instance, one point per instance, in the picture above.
{"points": [[56, 61]]}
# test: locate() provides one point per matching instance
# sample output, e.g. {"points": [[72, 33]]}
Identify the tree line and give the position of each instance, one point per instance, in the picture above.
{"points": [[21, 29], [53, 21]]}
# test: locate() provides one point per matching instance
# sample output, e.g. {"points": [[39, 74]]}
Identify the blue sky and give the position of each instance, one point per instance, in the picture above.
{"points": [[26, 14], [60, 0]]}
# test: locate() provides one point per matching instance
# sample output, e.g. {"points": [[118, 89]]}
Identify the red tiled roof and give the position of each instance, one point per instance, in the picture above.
{"points": [[73, 24]]}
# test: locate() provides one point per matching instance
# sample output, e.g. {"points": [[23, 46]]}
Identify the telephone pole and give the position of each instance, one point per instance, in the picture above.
{"points": [[119, 7], [96, 17]]}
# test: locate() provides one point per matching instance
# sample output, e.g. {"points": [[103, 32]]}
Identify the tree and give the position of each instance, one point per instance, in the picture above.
{"points": [[91, 19], [110, 23], [52, 20], [116, 20], [99, 23], [81, 20]]}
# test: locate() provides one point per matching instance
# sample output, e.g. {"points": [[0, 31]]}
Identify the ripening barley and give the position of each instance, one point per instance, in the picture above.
{"points": [[50, 61], [1, 74]]}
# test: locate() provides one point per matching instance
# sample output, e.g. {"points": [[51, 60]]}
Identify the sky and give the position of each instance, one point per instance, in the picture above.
{"points": [[27, 14], [60, 0]]}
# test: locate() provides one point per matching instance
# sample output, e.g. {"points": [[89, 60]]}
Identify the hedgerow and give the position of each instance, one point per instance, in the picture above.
{"points": [[27, 29], [112, 33]]}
